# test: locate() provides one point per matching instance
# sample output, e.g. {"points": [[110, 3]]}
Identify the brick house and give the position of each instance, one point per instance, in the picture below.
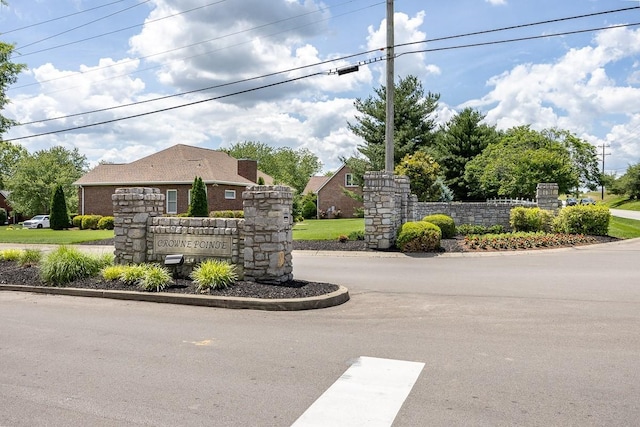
{"points": [[172, 171], [12, 217], [331, 197]]}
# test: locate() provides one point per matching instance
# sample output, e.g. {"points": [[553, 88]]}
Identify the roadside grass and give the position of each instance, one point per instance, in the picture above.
{"points": [[12, 234], [624, 228], [326, 229]]}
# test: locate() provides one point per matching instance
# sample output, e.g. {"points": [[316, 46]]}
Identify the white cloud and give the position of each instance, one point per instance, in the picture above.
{"points": [[496, 2]]}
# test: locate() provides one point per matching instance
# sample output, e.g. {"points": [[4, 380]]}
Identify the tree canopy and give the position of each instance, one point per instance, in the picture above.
{"points": [[423, 172], [515, 165], [37, 175], [286, 165], [413, 120], [8, 75]]}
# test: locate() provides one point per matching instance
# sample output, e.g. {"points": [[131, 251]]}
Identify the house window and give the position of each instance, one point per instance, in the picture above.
{"points": [[172, 201], [348, 180], [230, 194]]}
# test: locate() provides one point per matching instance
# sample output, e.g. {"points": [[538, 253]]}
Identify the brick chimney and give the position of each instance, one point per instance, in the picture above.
{"points": [[248, 168]]}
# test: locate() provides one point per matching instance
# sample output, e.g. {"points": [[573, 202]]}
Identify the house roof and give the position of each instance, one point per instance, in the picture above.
{"points": [[316, 183], [175, 165]]}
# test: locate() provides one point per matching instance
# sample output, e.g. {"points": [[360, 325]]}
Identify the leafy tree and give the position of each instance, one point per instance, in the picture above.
{"points": [[459, 141], [514, 166], [36, 176], [413, 122], [8, 76], [423, 171], [613, 184], [59, 218], [631, 181], [285, 165], [10, 156], [583, 155], [199, 207]]}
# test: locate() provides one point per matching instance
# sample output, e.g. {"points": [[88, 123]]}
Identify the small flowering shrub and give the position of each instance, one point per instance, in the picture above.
{"points": [[524, 240], [213, 274]]}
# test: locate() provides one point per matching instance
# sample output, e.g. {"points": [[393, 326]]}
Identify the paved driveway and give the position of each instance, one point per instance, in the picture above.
{"points": [[625, 214]]}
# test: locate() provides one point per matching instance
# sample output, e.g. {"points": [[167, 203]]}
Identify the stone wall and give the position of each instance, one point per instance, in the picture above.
{"points": [[260, 245], [475, 213]]}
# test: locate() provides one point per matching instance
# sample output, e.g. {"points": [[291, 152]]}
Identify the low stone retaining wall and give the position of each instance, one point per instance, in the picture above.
{"points": [[475, 213]]}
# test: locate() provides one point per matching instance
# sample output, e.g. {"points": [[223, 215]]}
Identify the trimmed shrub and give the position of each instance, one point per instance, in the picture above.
{"points": [[67, 264], [226, 214], [260, 180], [469, 229], [445, 222], [309, 210], [583, 219], [106, 223], [419, 236], [59, 218], [90, 222], [77, 221], [213, 274], [530, 219]]}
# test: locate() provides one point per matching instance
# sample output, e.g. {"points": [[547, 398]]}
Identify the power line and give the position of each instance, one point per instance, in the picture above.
{"points": [[166, 109], [206, 41], [285, 81], [61, 17], [79, 26]]}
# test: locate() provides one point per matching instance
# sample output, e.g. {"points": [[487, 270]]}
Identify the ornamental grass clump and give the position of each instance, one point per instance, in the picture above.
{"points": [[113, 272], [29, 257], [132, 274], [156, 278], [419, 236], [10, 254], [67, 264], [213, 274]]}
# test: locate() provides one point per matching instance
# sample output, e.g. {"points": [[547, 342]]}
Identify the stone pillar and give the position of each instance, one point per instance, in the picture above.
{"points": [[379, 210], [132, 207], [268, 233], [404, 191], [547, 196]]}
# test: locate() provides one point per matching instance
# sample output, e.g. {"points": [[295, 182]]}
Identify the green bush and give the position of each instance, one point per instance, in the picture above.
{"points": [[226, 214], [583, 219], [213, 274], [106, 223], [356, 235], [67, 264], [77, 221], [113, 272], [90, 222], [132, 274], [309, 210], [469, 229], [419, 236], [445, 222], [199, 206], [155, 278], [530, 219]]}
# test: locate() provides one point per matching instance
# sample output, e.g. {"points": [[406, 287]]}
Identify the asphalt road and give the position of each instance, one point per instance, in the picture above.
{"points": [[544, 338]]}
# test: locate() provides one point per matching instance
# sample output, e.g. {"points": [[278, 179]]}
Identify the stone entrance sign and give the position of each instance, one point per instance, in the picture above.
{"points": [[205, 245]]}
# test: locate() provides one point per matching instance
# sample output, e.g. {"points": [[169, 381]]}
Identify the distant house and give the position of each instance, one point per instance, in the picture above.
{"points": [[331, 195], [4, 204], [172, 171]]}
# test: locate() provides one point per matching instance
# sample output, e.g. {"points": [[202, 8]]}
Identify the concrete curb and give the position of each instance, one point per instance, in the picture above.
{"points": [[289, 304]]}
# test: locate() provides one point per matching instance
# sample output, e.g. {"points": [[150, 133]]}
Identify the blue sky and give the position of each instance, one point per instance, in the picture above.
{"points": [[107, 53]]}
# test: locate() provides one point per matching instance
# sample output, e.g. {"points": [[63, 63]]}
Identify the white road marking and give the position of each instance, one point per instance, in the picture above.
{"points": [[369, 393]]}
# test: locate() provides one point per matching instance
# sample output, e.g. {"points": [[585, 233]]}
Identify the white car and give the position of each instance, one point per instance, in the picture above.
{"points": [[38, 221]]}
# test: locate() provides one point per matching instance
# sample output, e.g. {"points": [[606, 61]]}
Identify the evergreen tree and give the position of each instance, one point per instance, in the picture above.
{"points": [[413, 122], [199, 207], [59, 218], [458, 142]]}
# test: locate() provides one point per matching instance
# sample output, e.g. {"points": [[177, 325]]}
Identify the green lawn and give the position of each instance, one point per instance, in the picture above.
{"points": [[9, 234], [623, 228], [326, 229]]}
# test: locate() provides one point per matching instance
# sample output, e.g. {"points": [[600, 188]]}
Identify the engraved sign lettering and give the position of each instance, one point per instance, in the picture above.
{"points": [[209, 245]]}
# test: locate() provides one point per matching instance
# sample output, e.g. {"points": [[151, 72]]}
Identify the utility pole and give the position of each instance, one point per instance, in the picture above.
{"points": [[388, 147], [604, 154]]}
